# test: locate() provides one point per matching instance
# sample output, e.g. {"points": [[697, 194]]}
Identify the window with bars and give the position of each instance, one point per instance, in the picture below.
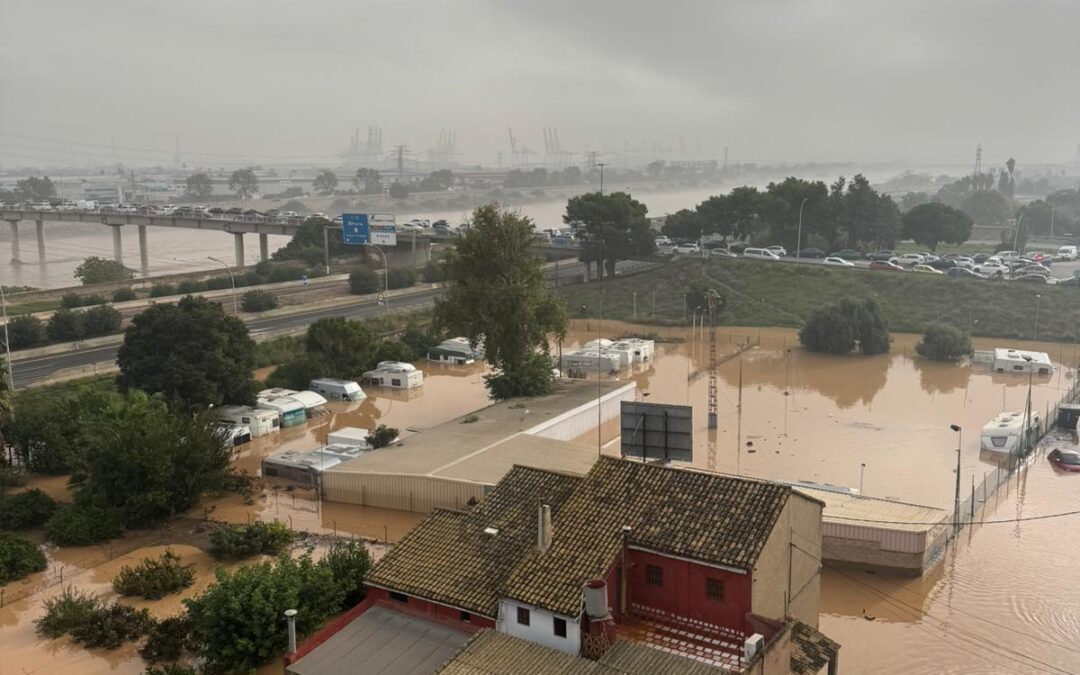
{"points": [[654, 576], [523, 616], [714, 589], [560, 627]]}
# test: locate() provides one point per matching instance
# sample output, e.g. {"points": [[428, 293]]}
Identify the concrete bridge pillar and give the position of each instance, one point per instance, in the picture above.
{"points": [[15, 258], [144, 252], [40, 225], [117, 244], [238, 244], [264, 247]]}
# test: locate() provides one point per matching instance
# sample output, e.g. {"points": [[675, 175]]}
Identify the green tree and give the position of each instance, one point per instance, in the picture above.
{"points": [[95, 270], [101, 320], [325, 182], [943, 342], [615, 228], [244, 183], [498, 294], [913, 199], [347, 347], [191, 352], [932, 223], [840, 327], [45, 433], [779, 209], [65, 325], [399, 190], [436, 181], [199, 186], [986, 207], [368, 181], [35, 189], [307, 242], [19, 557], [683, 224], [25, 331]]}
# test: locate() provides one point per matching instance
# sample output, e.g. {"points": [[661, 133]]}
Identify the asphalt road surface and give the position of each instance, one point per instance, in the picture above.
{"points": [[28, 371]]}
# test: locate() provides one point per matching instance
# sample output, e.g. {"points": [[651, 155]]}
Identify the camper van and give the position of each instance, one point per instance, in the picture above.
{"points": [[233, 434], [259, 420], [337, 390], [1003, 434], [455, 350], [395, 374], [291, 411], [1021, 361]]}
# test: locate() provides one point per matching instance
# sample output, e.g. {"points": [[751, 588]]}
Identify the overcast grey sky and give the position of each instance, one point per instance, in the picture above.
{"points": [[922, 80]]}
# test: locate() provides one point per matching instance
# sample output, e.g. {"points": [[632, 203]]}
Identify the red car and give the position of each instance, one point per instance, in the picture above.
{"points": [[885, 266], [1066, 460]]}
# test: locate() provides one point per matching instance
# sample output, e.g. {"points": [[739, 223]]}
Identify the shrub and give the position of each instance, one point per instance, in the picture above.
{"points": [[220, 282], [173, 668], [123, 295], [83, 524], [95, 270], [154, 578], [65, 612], [258, 301], [109, 626], [189, 287], [167, 640], [234, 542], [101, 320], [943, 342], [11, 476], [392, 350], [401, 277], [533, 378], [18, 557], [363, 281], [65, 325], [25, 510], [350, 563], [25, 331], [297, 373], [433, 272], [382, 436], [285, 273], [161, 290], [93, 299], [71, 300]]}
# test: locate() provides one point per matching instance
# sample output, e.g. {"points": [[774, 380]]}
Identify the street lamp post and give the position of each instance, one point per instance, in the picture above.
{"points": [[956, 504], [7, 347], [232, 282], [1016, 233], [798, 242], [386, 279]]}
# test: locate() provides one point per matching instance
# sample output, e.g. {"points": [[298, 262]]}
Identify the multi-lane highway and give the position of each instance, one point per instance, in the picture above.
{"points": [[28, 371]]}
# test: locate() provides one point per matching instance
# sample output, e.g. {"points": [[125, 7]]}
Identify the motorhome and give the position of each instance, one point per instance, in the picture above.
{"points": [[1004, 433], [234, 434], [337, 390], [395, 375], [291, 410], [260, 421], [1021, 361], [621, 352], [586, 362], [640, 349], [457, 351], [354, 436], [306, 466]]}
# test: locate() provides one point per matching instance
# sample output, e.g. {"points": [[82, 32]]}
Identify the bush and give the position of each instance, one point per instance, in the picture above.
{"points": [[189, 287], [167, 640], [93, 299], [25, 510], [83, 524], [18, 557], [161, 290], [154, 578], [25, 331], [433, 272], [285, 273], [220, 283], [363, 282], [65, 325], [112, 625], [123, 295], [943, 342], [71, 300], [299, 372], [95, 270], [234, 542], [349, 562], [66, 612], [392, 350], [101, 320], [839, 327], [11, 476], [401, 277], [382, 436], [175, 668], [258, 301], [533, 378]]}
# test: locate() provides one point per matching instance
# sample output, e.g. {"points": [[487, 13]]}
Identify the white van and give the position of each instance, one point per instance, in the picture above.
{"points": [[337, 390], [1066, 253], [760, 254]]}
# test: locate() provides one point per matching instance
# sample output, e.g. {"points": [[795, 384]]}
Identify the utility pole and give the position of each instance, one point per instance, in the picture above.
{"points": [[400, 163], [798, 243], [956, 504], [601, 165]]}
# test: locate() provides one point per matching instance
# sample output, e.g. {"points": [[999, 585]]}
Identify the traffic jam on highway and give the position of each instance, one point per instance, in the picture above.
{"points": [[1028, 267]]}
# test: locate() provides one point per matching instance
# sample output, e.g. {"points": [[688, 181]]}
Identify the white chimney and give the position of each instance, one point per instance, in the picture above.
{"points": [[543, 528], [596, 605]]}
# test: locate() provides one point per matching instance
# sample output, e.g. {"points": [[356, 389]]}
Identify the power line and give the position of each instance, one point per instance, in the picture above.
{"points": [[1047, 516]]}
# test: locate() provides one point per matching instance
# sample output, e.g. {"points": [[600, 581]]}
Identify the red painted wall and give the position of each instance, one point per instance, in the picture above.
{"points": [[683, 590], [431, 611]]}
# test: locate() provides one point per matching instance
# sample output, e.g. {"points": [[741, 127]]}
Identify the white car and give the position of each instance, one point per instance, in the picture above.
{"points": [[908, 259], [991, 269], [965, 262], [1007, 255], [929, 257], [663, 241], [778, 250], [686, 249], [838, 262], [760, 254], [1067, 253]]}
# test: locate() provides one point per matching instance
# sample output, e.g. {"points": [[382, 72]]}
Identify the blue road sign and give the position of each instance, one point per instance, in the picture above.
{"points": [[355, 228]]}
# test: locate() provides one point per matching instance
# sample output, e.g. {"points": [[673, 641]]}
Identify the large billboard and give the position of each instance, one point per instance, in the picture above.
{"points": [[657, 431], [361, 229]]}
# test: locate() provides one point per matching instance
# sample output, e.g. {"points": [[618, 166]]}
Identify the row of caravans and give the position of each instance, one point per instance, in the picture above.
{"points": [[608, 356]]}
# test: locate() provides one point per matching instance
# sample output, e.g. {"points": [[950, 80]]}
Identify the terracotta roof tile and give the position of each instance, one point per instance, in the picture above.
{"points": [[810, 650]]}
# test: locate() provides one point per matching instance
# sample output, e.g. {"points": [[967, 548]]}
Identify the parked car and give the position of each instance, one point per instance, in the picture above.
{"points": [[811, 253], [778, 250], [1032, 269], [884, 254], [760, 254], [722, 253], [838, 262], [992, 268], [942, 264], [908, 259], [1033, 279], [847, 254], [979, 258], [926, 269], [1065, 459], [662, 241], [1067, 253], [964, 261], [1005, 255], [686, 249], [885, 266], [963, 273], [1039, 257]]}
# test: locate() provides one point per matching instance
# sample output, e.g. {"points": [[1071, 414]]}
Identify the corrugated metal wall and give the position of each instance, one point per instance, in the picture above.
{"points": [[415, 493], [579, 420], [888, 540]]}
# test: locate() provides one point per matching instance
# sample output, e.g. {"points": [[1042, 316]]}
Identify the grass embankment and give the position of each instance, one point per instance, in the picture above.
{"points": [[771, 294]]}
